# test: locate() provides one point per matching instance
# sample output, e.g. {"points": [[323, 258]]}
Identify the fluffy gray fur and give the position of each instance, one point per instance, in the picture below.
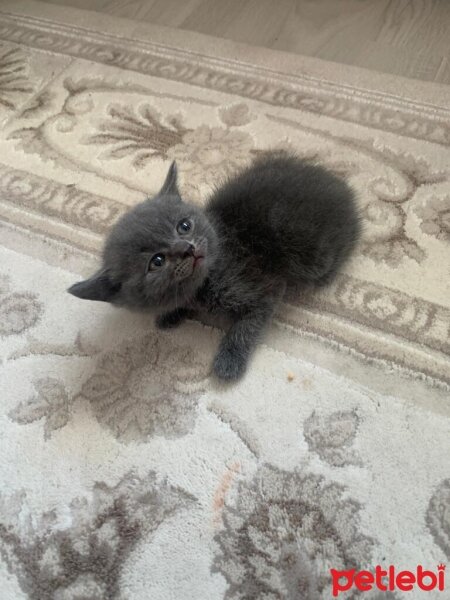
{"points": [[282, 221]]}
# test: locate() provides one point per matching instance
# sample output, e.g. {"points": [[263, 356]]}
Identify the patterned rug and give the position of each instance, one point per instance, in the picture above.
{"points": [[125, 470]]}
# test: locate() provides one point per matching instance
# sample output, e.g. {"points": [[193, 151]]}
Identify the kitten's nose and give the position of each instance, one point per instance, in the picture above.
{"points": [[183, 249]]}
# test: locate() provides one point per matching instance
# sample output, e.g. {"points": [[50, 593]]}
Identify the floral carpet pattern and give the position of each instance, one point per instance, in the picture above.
{"points": [[126, 471]]}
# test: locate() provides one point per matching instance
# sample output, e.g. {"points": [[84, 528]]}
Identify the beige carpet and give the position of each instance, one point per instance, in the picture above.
{"points": [[125, 471]]}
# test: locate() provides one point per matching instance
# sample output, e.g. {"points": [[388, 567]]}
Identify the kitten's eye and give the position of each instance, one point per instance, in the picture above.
{"points": [[184, 226], [157, 261]]}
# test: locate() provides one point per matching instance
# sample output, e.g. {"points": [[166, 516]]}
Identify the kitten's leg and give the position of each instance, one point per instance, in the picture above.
{"points": [[173, 318], [239, 342]]}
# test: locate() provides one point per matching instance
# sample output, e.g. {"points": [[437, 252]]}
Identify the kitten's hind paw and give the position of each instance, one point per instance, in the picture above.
{"points": [[173, 318], [228, 365]]}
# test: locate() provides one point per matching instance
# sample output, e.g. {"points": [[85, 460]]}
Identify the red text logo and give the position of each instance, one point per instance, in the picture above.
{"points": [[388, 579]]}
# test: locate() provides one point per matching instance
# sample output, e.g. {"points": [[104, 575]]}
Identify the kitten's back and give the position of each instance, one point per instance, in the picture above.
{"points": [[297, 219]]}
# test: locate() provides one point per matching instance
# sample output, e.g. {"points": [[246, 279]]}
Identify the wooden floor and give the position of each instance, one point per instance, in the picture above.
{"points": [[403, 37]]}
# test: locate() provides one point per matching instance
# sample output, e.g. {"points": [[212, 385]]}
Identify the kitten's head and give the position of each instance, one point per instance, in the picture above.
{"points": [[156, 256]]}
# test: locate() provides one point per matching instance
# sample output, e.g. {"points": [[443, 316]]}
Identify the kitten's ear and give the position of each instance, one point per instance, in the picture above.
{"points": [[98, 287], [170, 186]]}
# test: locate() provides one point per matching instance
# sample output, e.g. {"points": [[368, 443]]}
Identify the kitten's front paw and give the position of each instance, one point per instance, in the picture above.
{"points": [[228, 365]]}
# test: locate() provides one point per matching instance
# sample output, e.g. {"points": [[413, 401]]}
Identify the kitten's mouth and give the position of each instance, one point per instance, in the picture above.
{"points": [[198, 260]]}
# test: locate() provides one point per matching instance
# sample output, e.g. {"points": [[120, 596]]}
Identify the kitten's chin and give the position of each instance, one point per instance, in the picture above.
{"points": [[186, 290], [196, 280]]}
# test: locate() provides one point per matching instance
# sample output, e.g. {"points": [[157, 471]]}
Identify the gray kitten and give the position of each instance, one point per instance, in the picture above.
{"points": [[282, 221]]}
